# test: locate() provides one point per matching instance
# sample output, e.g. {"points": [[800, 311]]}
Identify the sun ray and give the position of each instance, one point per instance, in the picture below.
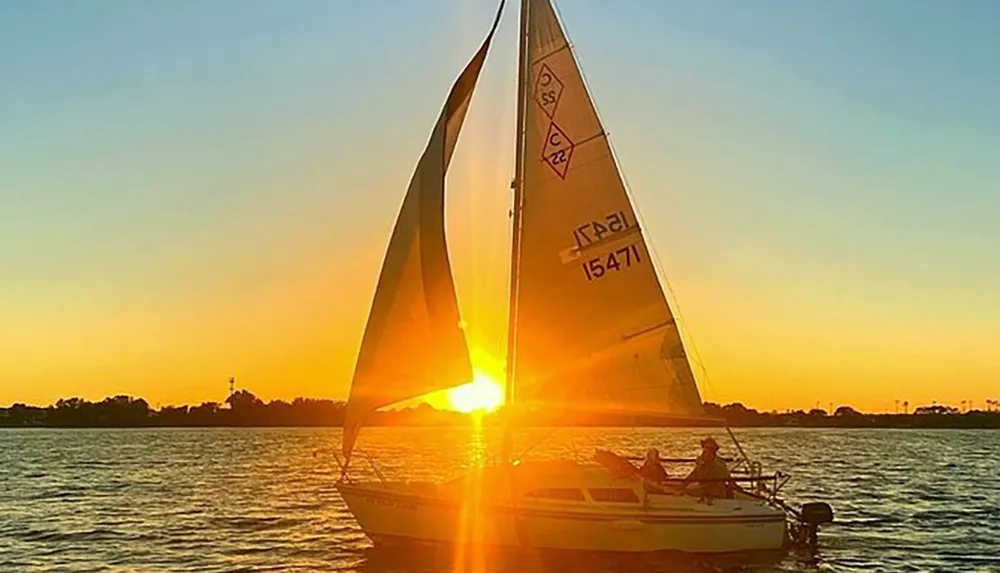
{"points": [[482, 394]]}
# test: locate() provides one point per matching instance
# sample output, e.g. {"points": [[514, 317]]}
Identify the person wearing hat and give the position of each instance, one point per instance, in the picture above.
{"points": [[709, 470]]}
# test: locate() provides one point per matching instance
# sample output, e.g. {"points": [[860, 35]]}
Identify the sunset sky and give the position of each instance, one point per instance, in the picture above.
{"points": [[191, 190]]}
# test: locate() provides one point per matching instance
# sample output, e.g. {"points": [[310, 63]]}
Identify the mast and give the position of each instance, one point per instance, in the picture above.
{"points": [[515, 250]]}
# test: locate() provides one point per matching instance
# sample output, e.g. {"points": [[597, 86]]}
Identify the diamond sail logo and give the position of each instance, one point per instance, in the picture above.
{"points": [[558, 150], [548, 91]]}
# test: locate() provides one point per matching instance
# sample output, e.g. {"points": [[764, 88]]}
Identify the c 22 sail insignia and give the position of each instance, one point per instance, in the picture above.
{"points": [[558, 150]]}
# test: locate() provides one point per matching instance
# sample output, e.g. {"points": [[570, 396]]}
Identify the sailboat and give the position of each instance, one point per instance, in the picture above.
{"points": [[590, 331]]}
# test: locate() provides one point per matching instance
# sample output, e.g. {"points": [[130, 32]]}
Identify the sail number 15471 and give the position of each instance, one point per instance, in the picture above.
{"points": [[614, 261], [596, 231]]}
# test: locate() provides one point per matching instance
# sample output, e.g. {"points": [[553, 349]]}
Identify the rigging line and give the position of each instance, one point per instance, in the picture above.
{"points": [[676, 306], [540, 59], [603, 133], [538, 441], [648, 329], [591, 357], [517, 185], [651, 245], [517, 203], [635, 368], [628, 192]]}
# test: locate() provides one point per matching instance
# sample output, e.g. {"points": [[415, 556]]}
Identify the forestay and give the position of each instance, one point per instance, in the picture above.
{"points": [[413, 342], [593, 328]]}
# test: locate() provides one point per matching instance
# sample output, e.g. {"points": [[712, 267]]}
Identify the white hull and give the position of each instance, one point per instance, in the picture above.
{"points": [[390, 513]]}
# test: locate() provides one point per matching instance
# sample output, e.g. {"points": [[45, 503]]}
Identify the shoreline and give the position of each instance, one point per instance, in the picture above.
{"points": [[919, 425], [244, 410]]}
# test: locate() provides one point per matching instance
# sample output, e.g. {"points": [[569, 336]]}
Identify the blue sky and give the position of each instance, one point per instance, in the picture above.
{"points": [[191, 189]]}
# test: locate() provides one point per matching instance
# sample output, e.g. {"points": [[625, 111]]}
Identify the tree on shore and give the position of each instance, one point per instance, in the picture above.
{"points": [[243, 408]]}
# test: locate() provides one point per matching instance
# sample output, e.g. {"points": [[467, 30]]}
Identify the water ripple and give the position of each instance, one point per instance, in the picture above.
{"points": [[224, 500]]}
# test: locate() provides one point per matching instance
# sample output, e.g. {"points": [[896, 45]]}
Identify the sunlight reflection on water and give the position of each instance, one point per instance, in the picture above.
{"points": [[263, 499]]}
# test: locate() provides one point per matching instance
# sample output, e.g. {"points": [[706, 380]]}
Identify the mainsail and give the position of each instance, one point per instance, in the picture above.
{"points": [[413, 342], [592, 327]]}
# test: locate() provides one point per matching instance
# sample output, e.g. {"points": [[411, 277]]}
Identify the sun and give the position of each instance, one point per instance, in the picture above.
{"points": [[482, 394]]}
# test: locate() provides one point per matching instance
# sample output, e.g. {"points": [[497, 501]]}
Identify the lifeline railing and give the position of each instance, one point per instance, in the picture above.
{"points": [[777, 480]]}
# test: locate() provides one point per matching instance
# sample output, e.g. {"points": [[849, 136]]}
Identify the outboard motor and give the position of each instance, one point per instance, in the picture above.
{"points": [[810, 517]]}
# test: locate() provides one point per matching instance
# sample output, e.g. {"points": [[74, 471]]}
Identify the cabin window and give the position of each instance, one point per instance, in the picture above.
{"points": [[615, 494], [556, 493]]}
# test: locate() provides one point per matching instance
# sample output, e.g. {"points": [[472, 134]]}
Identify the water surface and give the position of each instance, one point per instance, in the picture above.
{"points": [[263, 499]]}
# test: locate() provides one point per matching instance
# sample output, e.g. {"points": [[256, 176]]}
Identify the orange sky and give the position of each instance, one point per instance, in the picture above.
{"points": [[177, 207], [292, 328]]}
